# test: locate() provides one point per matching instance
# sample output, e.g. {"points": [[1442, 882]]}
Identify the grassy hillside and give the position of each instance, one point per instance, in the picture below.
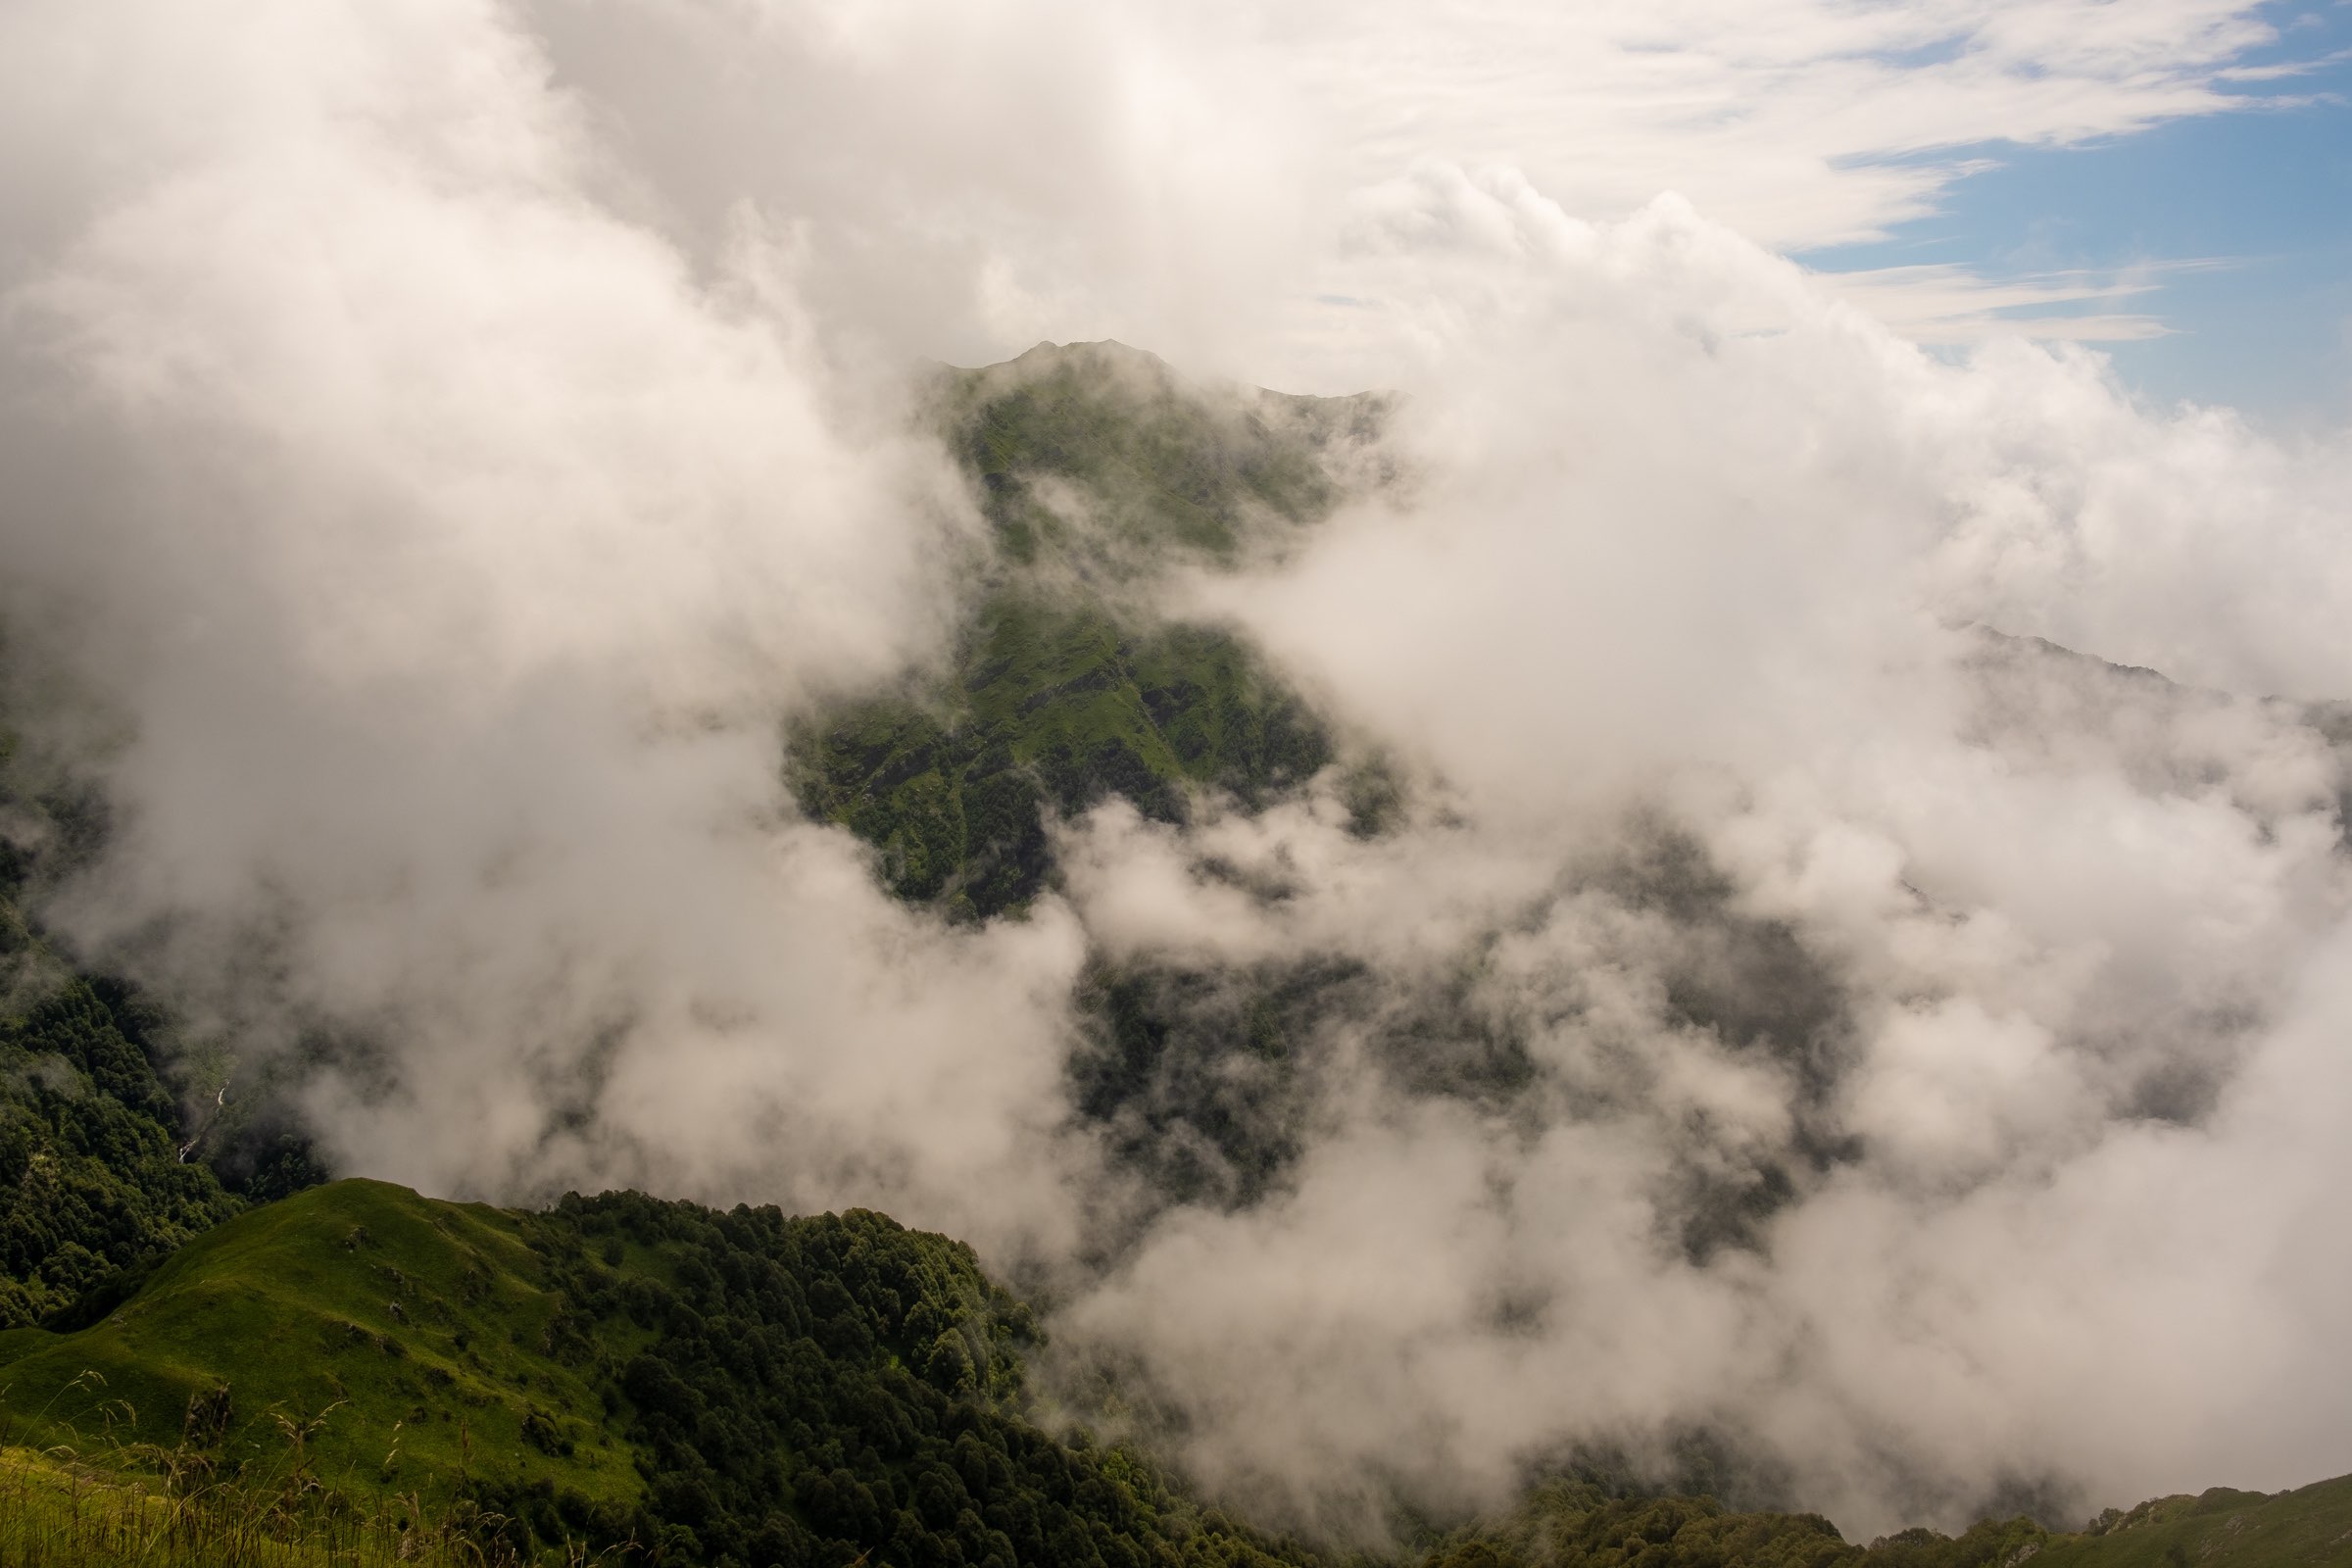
{"points": [[659, 1382], [618, 1374], [2221, 1527], [57, 1511], [398, 1344]]}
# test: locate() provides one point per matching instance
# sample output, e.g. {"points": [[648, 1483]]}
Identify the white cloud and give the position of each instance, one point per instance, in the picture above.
{"points": [[453, 551], [1781, 1011], [1944, 303], [1208, 153]]}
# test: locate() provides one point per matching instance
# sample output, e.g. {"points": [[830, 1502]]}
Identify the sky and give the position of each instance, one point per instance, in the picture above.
{"points": [[2164, 181], [449, 443], [2216, 249]]}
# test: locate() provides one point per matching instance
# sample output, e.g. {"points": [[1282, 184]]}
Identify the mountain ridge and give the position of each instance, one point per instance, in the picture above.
{"points": [[358, 1325]]}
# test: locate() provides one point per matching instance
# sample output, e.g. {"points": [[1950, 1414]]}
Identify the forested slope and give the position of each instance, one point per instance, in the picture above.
{"points": [[96, 1178], [661, 1382], [1097, 470], [617, 1372]]}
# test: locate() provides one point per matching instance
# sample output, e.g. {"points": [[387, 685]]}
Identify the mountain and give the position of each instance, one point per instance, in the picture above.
{"points": [[1097, 472], [197, 1334], [102, 1171], [615, 1373], [1571, 1525], [661, 1382]]}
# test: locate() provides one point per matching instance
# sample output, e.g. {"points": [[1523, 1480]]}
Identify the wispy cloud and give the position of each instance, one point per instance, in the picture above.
{"points": [[452, 436], [1217, 148], [1946, 303]]}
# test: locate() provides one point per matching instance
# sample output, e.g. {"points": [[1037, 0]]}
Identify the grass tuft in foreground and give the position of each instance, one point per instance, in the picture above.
{"points": [[59, 1511]]}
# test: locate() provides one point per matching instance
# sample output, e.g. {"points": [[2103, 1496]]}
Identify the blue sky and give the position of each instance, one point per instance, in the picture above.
{"points": [[2263, 197]]}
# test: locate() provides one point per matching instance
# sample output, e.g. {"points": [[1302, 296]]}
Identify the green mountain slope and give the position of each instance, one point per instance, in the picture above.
{"points": [[681, 1384], [1097, 469], [91, 1182], [716, 1388], [1579, 1525], [412, 1342], [95, 1182], [658, 1382], [2222, 1527], [1051, 708], [1157, 465]]}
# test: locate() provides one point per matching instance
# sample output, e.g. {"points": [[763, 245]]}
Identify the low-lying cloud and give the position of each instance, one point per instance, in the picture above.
{"points": [[1785, 1010]]}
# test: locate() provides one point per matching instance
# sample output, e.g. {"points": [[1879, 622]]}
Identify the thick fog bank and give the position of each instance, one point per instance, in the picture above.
{"points": [[1781, 1008], [1901, 1017]]}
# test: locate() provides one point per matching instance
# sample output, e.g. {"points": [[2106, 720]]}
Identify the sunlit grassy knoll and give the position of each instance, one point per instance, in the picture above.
{"points": [[406, 1343]]}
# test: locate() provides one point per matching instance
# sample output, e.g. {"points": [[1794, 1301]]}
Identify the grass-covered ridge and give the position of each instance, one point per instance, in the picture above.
{"points": [[636, 1380], [618, 1375], [412, 1343]]}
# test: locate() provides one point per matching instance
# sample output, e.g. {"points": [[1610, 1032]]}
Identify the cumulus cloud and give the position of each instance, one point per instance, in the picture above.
{"points": [[973, 179], [1865, 972], [450, 550], [449, 443]]}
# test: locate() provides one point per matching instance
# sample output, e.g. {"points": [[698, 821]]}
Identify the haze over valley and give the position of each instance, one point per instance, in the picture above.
{"points": [[1442, 862]]}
